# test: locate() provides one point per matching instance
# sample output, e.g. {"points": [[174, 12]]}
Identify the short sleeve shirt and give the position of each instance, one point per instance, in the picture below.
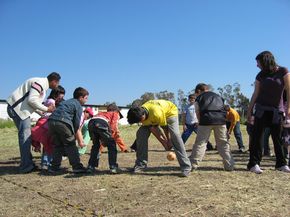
{"points": [[271, 87], [190, 115]]}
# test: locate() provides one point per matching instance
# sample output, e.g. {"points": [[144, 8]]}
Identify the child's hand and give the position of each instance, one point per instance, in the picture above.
{"points": [[50, 108], [36, 149], [82, 144]]}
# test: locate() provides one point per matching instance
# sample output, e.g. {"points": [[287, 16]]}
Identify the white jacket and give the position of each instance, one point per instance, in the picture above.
{"points": [[29, 96]]}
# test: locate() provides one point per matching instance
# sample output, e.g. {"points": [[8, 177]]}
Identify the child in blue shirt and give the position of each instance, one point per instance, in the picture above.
{"points": [[63, 124]]}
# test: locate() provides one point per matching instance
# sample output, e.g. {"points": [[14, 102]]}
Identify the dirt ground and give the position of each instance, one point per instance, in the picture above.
{"points": [[159, 191]]}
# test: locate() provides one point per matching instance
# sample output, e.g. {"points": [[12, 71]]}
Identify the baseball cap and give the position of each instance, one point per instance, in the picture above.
{"points": [[90, 111]]}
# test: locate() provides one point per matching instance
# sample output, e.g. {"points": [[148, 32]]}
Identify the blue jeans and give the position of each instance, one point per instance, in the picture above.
{"points": [[237, 133], [189, 129], [24, 139], [46, 159], [187, 133]]}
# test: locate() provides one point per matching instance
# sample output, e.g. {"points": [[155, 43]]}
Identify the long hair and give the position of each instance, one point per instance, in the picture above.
{"points": [[267, 61]]}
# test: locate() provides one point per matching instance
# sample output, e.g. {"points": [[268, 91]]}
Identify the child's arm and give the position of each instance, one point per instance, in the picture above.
{"points": [[79, 138], [114, 124]]}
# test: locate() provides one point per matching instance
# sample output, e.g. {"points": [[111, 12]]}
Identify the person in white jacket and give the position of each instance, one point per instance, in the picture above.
{"points": [[23, 101]]}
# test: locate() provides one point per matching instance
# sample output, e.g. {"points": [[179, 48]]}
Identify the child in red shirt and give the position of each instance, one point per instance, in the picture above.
{"points": [[103, 128]]}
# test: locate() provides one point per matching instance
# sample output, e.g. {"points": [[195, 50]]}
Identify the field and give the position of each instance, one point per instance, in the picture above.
{"points": [[160, 191]]}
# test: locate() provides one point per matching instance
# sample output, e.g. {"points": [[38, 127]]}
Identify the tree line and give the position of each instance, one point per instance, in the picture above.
{"points": [[231, 93]]}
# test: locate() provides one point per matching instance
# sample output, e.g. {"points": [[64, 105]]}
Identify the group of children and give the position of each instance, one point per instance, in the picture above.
{"points": [[70, 126]]}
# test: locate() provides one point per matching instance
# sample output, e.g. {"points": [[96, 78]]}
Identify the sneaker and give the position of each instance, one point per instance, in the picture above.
{"points": [[139, 168], [256, 169], [91, 169], [194, 166], [209, 147], [79, 170], [44, 167], [229, 168], [284, 169], [185, 173], [268, 153], [55, 170], [115, 170], [242, 150]]}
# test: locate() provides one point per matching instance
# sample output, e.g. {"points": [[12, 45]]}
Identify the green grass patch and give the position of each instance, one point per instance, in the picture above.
{"points": [[6, 123]]}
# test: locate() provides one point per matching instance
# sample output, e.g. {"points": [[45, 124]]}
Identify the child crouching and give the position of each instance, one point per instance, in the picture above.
{"points": [[104, 128], [63, 125]]}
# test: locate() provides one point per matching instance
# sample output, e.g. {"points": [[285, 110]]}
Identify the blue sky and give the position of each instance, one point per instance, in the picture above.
{"points": [[120, 49]]}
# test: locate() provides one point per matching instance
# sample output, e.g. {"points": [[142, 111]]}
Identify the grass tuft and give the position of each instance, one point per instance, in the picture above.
{"points": [[6, 123]]}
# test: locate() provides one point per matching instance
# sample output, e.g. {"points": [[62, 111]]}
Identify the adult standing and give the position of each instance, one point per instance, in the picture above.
{"points": [[211, 114], [233, 125], [190, 121], [267, 98], [25, 100]]}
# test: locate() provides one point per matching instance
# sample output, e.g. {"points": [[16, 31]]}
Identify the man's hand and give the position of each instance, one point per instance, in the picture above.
{"points": [[228, 135]]}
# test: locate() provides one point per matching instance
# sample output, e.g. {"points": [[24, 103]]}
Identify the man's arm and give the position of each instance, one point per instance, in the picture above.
{"points": [[35, 98], [163, 139], [197, 112]]}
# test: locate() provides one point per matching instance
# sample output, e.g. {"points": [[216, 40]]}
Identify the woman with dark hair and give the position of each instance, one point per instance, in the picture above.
{"points": [[267, 103]]}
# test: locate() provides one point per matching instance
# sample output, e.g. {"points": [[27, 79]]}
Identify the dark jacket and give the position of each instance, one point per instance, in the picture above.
{"points": [[211, 109], [69, 112]]}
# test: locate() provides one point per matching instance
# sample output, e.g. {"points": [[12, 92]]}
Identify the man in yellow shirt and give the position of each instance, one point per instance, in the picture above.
{"points": [[233, 124], [161, 113]]}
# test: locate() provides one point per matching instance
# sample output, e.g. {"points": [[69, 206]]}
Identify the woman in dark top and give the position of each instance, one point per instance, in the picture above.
{"points": [[267, 106]]}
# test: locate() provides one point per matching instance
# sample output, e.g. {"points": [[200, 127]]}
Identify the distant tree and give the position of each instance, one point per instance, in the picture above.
{"points": [[136, 103], [108, 103], [228, 94], [165, 95], [233, 96], [181, 98], [146, 97], [242, 103]]}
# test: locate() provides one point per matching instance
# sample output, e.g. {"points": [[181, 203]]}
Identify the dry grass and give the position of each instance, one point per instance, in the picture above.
{"points": [[210, 191]]}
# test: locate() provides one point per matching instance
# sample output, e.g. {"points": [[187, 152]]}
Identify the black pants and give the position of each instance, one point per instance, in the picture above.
{"points": [[64, 142], [256, 145], [100, 131]]}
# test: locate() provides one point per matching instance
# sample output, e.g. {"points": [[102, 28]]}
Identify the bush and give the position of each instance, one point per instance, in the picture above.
{"points": [[6, 123]]}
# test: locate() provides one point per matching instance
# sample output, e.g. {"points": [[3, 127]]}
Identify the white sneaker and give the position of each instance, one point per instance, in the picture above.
{"points": [[285, 169], [194, 166], [256, 169]]}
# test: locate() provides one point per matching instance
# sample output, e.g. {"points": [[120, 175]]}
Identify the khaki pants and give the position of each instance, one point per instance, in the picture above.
{"points": [[223, 147]]}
